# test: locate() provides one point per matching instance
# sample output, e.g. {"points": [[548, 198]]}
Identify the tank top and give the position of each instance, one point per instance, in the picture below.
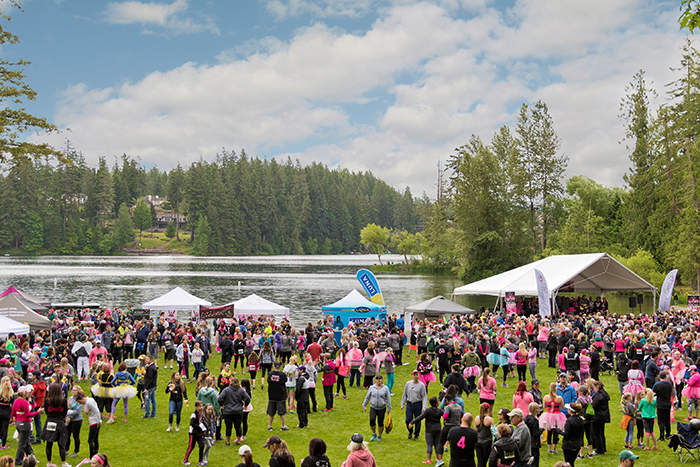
{"points": [[553, 407], [483, 434]]}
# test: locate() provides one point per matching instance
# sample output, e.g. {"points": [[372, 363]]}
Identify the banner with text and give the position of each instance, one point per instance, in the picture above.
{"points": [[510, 302], [667, 291], [543, 294], [221, 312], [371, 286]]}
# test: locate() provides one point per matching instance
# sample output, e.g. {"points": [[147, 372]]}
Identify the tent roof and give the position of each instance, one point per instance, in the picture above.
{"points": [[593, 272], [351, 301], [12, 307], [33, 302], [255, 305], [8, 325], [176, 299], [440, 304]]}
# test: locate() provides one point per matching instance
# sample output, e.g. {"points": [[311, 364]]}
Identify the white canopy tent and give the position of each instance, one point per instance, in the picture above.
{"points": [[593, 273], [254, 305], [8, 325], [176, 305]]}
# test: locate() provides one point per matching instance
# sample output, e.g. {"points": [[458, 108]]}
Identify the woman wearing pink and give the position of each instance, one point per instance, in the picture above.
{"points": [[487, 388], [522, 398], [353, 360], [542, 339], [692, 391], [585, 367], [562, 358], [552, 420], [677, 374], [636, 380]]}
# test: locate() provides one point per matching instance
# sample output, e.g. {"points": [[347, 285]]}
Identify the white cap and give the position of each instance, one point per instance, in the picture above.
{"points": [[243, 449]]}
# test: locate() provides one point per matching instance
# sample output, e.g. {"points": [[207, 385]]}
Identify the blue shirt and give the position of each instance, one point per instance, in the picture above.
{"points": [[568, 395]]}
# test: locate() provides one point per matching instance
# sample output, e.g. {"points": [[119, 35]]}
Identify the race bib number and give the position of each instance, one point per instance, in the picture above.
{"points": [[50, 426]]}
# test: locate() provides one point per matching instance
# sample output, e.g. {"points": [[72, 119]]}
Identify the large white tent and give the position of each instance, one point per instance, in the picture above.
{"points": [[8, 325], [254, 305], [592, 273], [176, 304]]}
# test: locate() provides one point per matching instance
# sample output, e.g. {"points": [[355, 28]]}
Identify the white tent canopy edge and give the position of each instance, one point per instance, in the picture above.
{"points": [[591, 272]]}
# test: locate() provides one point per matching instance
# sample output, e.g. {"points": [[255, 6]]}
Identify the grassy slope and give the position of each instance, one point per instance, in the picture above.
{"points": [[142, 442]]}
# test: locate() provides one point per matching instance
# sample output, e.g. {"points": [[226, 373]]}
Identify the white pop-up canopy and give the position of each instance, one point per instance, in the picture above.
{"points": [[8, 325], [176, 304], [254, 305], [593, 273]]}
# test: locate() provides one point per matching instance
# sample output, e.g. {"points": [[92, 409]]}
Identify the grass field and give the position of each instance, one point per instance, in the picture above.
{"points": [[144, 442]]}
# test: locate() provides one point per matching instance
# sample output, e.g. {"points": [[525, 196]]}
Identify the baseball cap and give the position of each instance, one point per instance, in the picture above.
{"points": [[516, 412], [301, 367], [272, 440], [357, 438], [277, 364], [534, 381], [142, 357], [627, 454], [243, 449], [415, 372]]}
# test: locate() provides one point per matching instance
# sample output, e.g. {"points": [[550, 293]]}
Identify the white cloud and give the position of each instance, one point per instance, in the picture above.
{"points": [[441, 75], [169, 16]]}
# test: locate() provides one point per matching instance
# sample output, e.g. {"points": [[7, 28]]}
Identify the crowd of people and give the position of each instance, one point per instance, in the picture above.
{"points": [[654, 358]]}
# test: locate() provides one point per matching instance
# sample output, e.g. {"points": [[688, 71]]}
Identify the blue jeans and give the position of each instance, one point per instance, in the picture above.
{"points": [[413, 410], [150, 398], [174, 408], [355, 373]]}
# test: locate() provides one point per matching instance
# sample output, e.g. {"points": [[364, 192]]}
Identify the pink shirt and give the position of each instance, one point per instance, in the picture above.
{"points": [[487, 391], [21, 411], [523, 402], [585, 362], [532, 355], [544, 332]]}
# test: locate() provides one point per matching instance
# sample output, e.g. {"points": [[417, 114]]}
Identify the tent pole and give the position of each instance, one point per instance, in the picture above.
{"points": [[654, 294], [498, 304]]}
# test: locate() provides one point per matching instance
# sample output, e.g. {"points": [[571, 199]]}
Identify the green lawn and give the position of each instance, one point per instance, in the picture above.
{"points": [[142, 442]]}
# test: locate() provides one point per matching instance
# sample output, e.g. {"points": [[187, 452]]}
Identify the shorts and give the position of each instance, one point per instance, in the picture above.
{"points": [[413, 347], [276, 408], [648, 425], [225, 358], [170, 354]]}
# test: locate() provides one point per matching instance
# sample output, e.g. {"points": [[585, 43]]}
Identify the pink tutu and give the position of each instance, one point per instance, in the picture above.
{"points": [[425, 379], [474, 371], [633, 388], [552, 421], [691, 392]]}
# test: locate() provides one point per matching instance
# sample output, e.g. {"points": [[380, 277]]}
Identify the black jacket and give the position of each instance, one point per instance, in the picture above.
{"points": [[150, 380], [505, 451], [600, 406], [535, 431], [573, 433]]}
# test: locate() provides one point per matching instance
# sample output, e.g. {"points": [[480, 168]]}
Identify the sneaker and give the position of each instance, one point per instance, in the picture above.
{"points": [[4, 447], [439, 463], [590, 456], [379, 438], [167, 430], [186, 463], [284, 428], [415, 438], [65, 464], [177, 428], [203, 463], [373, 437], [640, 445], [579, 457], [269, 428], [410, 436]]}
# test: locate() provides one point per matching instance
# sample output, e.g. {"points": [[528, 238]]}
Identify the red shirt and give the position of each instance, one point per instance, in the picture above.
{"points": [[315, 351]]}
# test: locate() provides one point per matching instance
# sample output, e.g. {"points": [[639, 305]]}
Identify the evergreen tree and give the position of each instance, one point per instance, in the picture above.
{"points": [[142, 217], [203, 231], [123, 231]]}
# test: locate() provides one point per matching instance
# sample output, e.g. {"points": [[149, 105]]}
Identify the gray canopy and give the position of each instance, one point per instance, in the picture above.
{"points": [[13, 308], [440, 304]]}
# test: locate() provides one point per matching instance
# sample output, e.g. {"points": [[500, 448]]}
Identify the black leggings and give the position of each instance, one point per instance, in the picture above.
{"points": [[340, 385], [483, 450], [570, 456], [522, 372], [244, 422], [49, 451], [238, 358], [265, 368], [74, 432], [443, 438], [367, 381], [234, 418], [94, 439], [375, 414], [552, 437], [4, 424]]}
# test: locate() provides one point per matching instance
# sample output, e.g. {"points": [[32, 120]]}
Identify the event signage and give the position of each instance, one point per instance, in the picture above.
{"points": [[510, 302], [371, 286], [693, 303], [667, 291], [543, 294], [216, 313]]}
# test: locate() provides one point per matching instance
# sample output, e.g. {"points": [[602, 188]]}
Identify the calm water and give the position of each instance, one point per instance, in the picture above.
{"points": [[302, 283]]}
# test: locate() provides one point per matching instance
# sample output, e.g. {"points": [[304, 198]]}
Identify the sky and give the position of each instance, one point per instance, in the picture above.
{"points": [[387, 86]]}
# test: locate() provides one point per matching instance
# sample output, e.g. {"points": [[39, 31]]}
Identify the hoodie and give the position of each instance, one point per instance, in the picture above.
{"points": [[209, 395], [39, 392], [505, 451], [360, 458]]}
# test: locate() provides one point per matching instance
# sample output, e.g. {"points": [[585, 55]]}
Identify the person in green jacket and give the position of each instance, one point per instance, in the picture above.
{"points": [[648, 408], [210, 395]]}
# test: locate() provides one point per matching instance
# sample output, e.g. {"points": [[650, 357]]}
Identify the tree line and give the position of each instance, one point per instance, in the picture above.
{"points": [[235, 205]]}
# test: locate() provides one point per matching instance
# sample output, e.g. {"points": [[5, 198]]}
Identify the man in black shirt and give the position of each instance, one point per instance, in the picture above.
{"points": [[457, 379], [150, 382], [462, 440], [443, 357], [276, 396], [664, 391]]}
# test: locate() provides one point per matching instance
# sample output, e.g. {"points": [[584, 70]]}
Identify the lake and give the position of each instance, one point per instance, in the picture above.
{"points": [[302, 283]]}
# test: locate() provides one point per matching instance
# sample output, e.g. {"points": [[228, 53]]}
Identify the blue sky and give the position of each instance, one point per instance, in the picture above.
{"points": [[390, 86]]}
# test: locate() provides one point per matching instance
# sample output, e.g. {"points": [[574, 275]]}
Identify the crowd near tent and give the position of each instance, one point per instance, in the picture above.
{"points": [[254, 305], [594, 273], [11, 307], [176, 305], [354, 307]]}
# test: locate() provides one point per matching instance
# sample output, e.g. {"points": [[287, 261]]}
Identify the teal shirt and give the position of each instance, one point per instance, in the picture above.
{"points": [[648, 410]]}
